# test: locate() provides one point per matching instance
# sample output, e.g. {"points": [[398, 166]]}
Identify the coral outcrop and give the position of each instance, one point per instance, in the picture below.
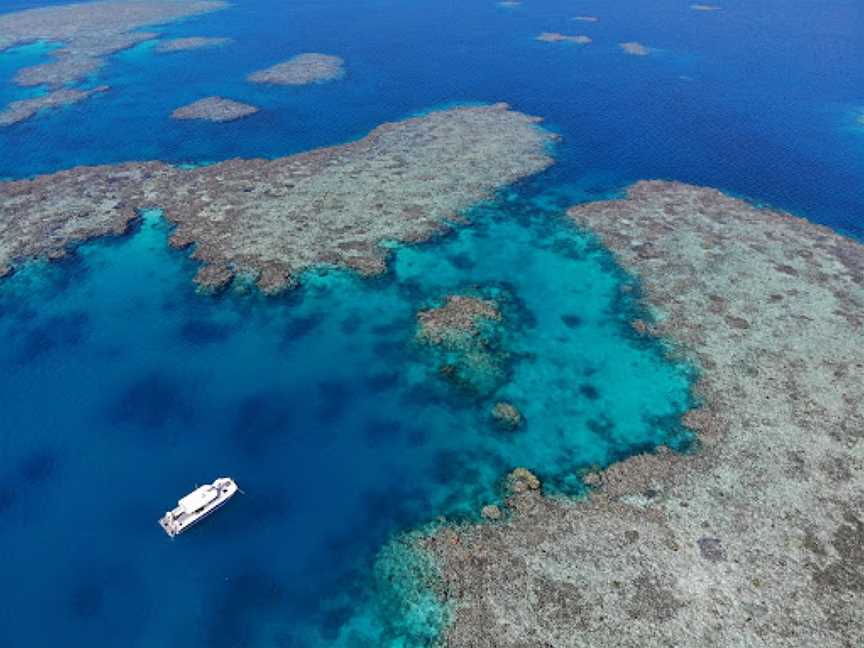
{"points": [[507, 415], [469, 350], [457, 321]]}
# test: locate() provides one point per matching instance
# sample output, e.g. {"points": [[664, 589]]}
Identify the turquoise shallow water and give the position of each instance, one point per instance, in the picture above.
{"points": [[120, 387], [123, 387]]}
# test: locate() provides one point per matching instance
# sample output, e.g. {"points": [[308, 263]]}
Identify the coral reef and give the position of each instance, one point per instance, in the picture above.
{"points": [[302, 70], [555, 37], [215, 109], [191, 43], [89, 31], [634, 48], [272, 219], [755, 537], [24, 109]]}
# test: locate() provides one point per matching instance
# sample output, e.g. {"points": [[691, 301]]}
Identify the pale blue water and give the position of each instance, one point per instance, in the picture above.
{"points": [[120, 387]]}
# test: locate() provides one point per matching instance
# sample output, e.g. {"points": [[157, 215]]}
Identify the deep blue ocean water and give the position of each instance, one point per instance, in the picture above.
{"points": [[120, 387]]}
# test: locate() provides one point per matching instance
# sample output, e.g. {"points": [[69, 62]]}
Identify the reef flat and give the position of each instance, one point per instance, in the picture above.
{"points": [[756, 537], [215, 109], [302, 70], [272, 219], [89, 32]]}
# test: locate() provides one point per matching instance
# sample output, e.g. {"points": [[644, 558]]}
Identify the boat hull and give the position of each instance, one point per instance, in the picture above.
{"points": [[198, 505]]}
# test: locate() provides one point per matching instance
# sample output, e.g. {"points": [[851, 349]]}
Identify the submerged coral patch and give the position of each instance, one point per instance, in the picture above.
{"points": [[635, 49], [555, 37]]}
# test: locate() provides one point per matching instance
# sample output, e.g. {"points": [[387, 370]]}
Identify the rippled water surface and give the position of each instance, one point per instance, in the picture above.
{"points": [[121, 388]]}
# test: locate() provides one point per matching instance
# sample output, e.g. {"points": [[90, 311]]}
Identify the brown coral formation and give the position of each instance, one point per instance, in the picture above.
{"points": [[215, 109], [191, 43], [89, 31], [272, 219], [756, 537], [507, 415], [302, 70], [456, 320]]}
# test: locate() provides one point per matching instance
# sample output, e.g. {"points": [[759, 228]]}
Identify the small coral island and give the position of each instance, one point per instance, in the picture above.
{"points": [[767, 510], [302, 70], [215, 109], [272, 219]]}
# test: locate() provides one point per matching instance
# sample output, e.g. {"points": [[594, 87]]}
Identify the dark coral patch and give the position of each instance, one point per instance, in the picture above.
{"points": [[8, 497], [261, 418], [462, 261], [38, 466], [589, 391], [245, 596], [87, 600], [351, 324], [601, 426], [383, 381], [571, 321], [382, 431], [58, 331], [202, 332], [334, 398], [155, 400], [300, 327]]}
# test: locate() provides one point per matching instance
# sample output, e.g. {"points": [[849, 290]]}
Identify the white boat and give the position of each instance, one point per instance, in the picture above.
{"points": [[197, 505]]}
